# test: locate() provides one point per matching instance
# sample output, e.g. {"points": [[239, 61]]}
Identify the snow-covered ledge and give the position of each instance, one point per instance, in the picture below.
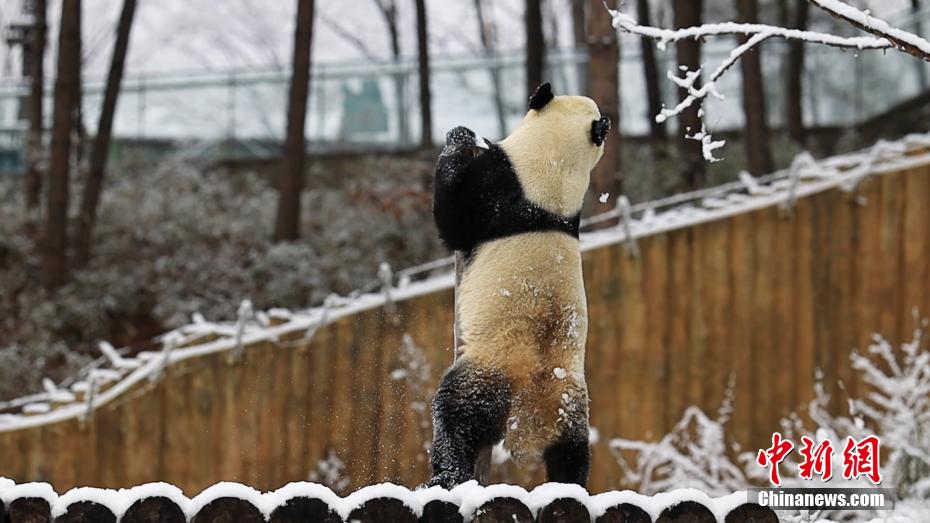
{"points": [[301, 502]]}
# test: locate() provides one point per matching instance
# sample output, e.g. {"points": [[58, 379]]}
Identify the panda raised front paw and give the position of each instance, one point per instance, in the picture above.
{"points": [[463, 139]]}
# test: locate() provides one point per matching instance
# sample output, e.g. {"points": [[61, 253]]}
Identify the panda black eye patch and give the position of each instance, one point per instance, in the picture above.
{"points": [[599, 130]]}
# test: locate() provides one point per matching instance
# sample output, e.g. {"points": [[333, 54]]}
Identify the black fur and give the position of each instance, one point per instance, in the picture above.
{"points": [[478, 197], [541, 96], [470, 412], [599, 130], [568, 460]]}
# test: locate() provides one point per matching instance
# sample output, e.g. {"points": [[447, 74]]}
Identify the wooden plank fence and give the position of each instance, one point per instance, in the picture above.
{"points": [[766, 297], [310, 504]]}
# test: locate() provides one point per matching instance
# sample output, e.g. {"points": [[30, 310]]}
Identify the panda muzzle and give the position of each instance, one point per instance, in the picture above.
{"points": [[599, 130]]}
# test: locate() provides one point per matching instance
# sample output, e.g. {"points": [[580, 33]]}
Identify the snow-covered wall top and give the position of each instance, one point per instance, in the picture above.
{"points": [[385, 502], [115, 374]]}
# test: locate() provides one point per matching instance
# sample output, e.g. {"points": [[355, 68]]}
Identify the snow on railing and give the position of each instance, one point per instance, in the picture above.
{"points": [[300, 502], [115, 374]]}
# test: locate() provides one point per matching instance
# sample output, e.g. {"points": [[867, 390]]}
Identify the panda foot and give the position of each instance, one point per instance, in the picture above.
{"points": [[446, 479]]}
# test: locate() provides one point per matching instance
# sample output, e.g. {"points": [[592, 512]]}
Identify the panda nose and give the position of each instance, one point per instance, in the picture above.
{"points": [[599, 130]]}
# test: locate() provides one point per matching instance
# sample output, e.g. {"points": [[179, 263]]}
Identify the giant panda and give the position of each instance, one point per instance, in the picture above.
{"points": [[513, 210]]}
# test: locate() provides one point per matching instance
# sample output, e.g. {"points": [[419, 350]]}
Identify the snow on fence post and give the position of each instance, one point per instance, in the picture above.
{"points": [[386, 275], [88, 415], [800, 162], [625, 210], [244, 314]]}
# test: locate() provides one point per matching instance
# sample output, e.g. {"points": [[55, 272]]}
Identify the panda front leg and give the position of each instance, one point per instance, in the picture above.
{"points": [[568, 458], [470, 412]]}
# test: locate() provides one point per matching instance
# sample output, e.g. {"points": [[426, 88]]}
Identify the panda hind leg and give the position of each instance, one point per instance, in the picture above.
{"points": [[568, 459], [470, 412]]}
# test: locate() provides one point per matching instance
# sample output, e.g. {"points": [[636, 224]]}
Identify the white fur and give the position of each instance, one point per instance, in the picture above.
{"points": [[522, 301]]}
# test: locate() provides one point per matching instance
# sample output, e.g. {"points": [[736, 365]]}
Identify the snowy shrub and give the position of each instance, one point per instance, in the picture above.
{"points": [[693, 455], [176, 238], [899, 407]]}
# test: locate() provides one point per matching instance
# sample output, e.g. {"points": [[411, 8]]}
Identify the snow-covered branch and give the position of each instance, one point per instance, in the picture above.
{"points": [[626, 23], [899, 39], [690, 77], [885, 37]]}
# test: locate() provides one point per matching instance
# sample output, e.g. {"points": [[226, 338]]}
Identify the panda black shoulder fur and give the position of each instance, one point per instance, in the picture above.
{"points": [[513, 209]]}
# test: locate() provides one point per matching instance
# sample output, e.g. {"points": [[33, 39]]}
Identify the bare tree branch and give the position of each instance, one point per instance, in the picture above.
{"points": [[350, 36]]}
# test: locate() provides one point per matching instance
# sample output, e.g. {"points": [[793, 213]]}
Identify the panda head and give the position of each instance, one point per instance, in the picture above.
{"points": [[554, 148]]}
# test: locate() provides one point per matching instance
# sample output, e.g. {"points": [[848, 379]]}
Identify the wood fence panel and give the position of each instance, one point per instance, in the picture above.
{"points": [[654, 371], [783, 307], [630, 316], [806, 327], [741, 263], [679, 306], [766, 362], [716, 288], [320, 424], [915, 244], [697, 369], [604, 350], [202, 410]]}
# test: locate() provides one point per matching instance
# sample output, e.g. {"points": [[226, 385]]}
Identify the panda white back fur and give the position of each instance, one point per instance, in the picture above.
{"points": [[513, 209]]}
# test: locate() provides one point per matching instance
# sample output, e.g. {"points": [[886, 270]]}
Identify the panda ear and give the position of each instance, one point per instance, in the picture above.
{"points": [[541, 97]]}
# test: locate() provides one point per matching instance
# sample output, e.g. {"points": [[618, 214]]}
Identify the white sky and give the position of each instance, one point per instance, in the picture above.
{"points": [[206, 35]]}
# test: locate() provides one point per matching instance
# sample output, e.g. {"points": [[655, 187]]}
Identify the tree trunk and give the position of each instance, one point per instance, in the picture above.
{"points": [[651, 73], [37, 39], [794, 93], [687, 13], [389, 11], [290, 184], [535, 46], [757, 130], [486, 33], [98, 156], [580, 36], [426, 103], [604, 48], [55, 241]]}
